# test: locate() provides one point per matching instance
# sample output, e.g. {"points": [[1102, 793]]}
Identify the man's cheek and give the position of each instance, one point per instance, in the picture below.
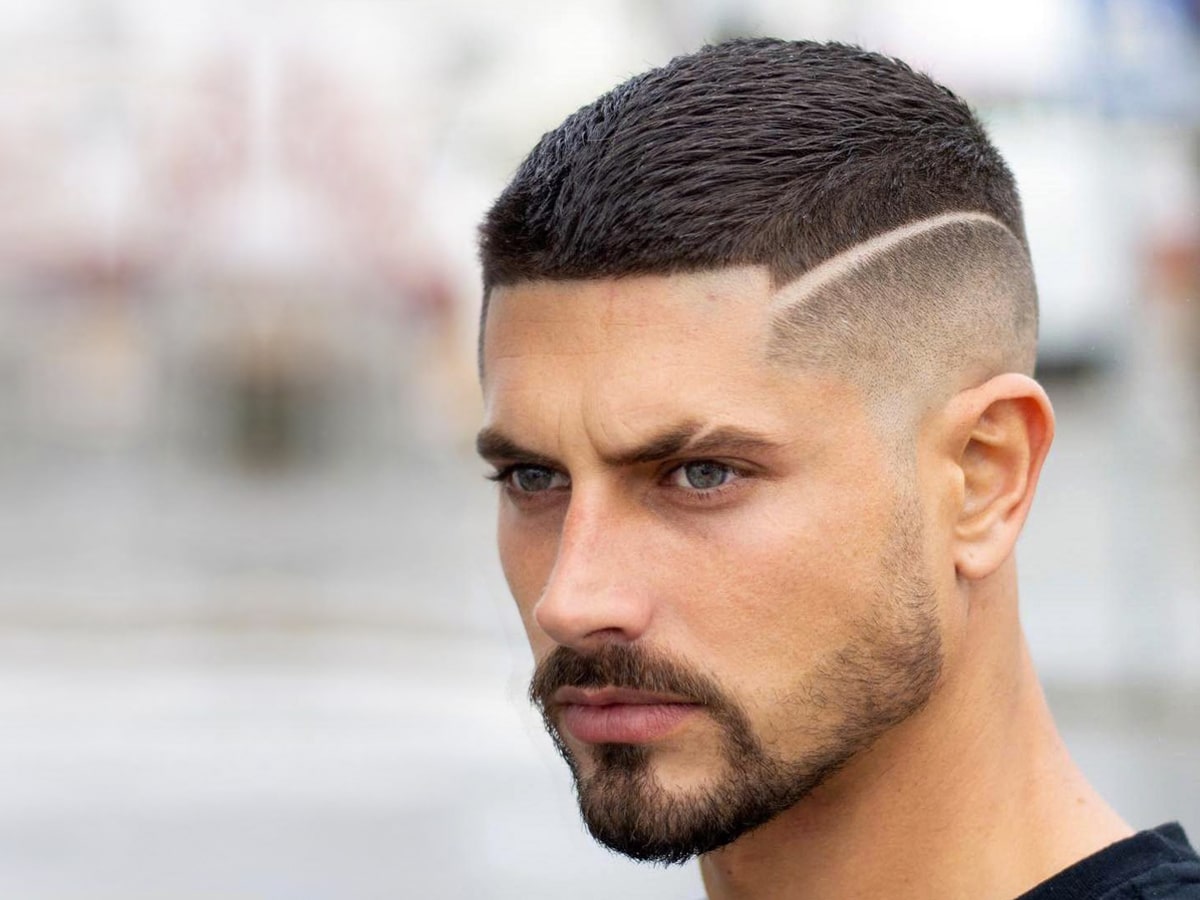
{"points": [[527, 562]]}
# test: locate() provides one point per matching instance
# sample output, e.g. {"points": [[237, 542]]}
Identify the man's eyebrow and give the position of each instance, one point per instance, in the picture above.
{"points": [[493, 444], [692, 438], [689, 437]]}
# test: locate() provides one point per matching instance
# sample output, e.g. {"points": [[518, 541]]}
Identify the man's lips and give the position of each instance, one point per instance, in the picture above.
{"points": [[620, 715]]}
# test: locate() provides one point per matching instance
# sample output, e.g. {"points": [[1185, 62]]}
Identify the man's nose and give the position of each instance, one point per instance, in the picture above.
{"points": [[599, 589]]}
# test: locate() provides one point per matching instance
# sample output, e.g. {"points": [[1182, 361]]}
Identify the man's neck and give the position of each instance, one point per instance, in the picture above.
{"points": [[974, 796]]}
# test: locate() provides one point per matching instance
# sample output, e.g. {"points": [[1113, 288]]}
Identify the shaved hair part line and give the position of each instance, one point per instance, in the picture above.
{"points": [[912, 316], [858, 255]]}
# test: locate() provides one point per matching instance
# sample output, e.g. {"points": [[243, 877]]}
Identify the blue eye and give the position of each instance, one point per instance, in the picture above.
{"points": [[535, 479], [703, 475]]}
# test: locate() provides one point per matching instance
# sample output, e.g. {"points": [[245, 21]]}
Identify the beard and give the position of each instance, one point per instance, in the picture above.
{"points": [[879, 679]]}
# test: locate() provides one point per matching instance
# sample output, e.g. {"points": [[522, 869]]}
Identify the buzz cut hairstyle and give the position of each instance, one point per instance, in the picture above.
{"points": [[887, 219]]}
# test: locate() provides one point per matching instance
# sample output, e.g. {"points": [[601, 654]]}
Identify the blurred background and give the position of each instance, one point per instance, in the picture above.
{"points": [[254, 641]]}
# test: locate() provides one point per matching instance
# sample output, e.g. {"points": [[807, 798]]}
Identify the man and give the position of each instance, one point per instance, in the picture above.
{"points": [[758, 336]]}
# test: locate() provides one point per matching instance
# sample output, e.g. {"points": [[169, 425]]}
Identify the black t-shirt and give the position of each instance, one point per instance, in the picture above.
{"points": [[1151, 865]]}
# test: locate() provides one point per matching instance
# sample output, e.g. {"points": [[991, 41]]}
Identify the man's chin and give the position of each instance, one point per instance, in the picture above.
{"points": [[666, 806], [646, 804], [627, 806]]}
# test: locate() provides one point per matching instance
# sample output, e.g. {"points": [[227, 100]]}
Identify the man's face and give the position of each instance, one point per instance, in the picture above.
{"points": [[721, 575]]}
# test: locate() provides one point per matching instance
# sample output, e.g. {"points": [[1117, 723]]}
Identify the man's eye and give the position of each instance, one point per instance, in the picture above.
{"points": [[703, 475], [535, 479]]}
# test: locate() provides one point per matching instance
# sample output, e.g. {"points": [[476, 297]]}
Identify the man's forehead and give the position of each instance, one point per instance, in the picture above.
{"points": [[621, 366], [638, 335], [635, 301]]}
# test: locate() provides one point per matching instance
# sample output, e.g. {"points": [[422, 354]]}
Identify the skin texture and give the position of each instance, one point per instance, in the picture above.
{"points": [[766, 584]]}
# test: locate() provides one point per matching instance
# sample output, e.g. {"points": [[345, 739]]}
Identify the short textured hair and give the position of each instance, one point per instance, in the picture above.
{"points": [[760, 152], [764, 152]]}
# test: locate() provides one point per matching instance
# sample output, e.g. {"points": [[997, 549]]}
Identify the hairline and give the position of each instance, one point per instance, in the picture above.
{"points": [[794, 292]]}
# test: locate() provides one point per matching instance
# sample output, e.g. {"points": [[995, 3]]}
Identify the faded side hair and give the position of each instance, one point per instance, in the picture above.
{"points": [[938, 304]]}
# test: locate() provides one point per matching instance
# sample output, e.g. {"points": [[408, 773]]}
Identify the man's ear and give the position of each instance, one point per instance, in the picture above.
{"points": [[1002, 430]]}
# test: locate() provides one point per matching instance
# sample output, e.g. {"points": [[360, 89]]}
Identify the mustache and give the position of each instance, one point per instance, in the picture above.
{"points": [[623, 666]]}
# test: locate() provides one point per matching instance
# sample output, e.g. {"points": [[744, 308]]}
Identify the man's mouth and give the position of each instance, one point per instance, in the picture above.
{"points": [[612, 715]]}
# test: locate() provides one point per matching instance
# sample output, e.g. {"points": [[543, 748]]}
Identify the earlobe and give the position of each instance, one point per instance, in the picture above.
{"points": [[1005, 429]]}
